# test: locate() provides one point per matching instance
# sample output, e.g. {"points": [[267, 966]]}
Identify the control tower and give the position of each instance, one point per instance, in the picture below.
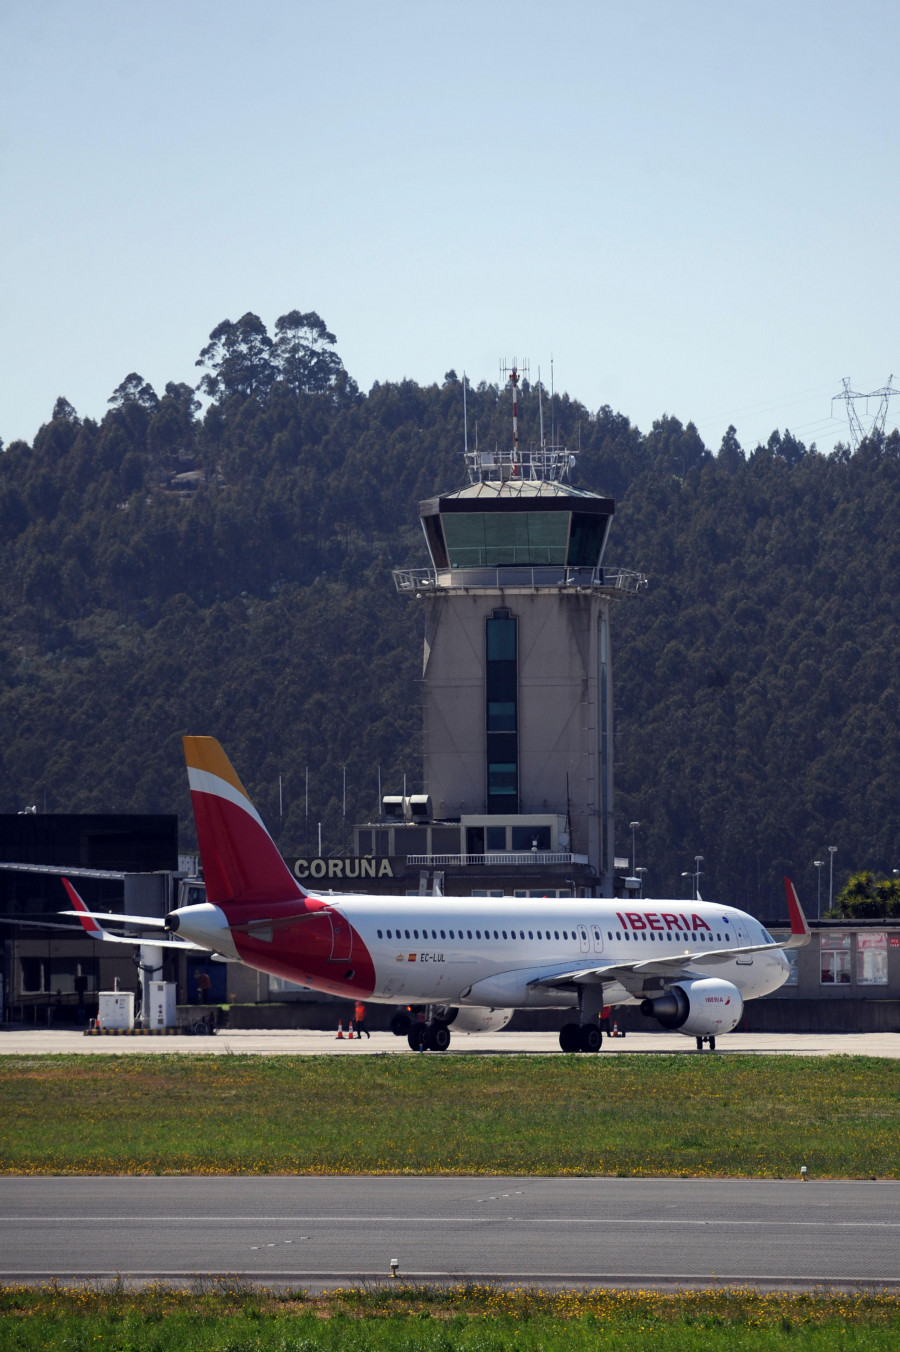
{"points": [[517, 675]]}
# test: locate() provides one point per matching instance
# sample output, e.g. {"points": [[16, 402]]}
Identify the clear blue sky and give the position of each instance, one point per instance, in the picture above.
{"points": [[691, 206]]}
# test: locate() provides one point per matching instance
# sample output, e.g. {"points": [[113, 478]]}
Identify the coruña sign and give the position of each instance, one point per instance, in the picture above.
{"points": [[342, 869]]}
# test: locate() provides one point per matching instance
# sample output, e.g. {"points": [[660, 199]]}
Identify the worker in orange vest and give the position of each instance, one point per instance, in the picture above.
{"points": [[360, 1020]]}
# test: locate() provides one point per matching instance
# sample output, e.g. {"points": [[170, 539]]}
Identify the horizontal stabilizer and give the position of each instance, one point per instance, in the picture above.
{"points": [[143, 921], [92, 926]]}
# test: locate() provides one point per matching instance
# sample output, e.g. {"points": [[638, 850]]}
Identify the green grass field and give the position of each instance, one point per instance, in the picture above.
{"points": [[472, 1319], [626, 1115]]}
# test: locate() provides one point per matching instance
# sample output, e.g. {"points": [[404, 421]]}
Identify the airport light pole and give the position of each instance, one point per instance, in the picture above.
{"points": [[831, 852], [817, 864], [633, 827], [698, 860]]}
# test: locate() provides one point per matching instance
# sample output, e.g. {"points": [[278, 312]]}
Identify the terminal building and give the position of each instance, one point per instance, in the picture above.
{"points": [[50, 970]]}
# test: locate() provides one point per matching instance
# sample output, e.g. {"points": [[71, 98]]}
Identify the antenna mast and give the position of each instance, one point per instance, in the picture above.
{"points": [[544, 463], [540, 406], [465, 419], [512, 375]]}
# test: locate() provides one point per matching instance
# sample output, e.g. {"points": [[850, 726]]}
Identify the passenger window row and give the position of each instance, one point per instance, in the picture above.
{"points": [[680, 935], [474, 934]]}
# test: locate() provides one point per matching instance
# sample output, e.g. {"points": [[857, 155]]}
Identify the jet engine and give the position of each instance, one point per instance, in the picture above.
{"points": [[700, 1008], [478, 1019]]}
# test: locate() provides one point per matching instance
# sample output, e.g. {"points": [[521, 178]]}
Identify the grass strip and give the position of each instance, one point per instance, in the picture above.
{"points": [[626, 1115], [230, 1317]]}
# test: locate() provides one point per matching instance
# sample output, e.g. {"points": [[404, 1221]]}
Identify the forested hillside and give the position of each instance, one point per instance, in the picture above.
{"points": [[225, 569]]}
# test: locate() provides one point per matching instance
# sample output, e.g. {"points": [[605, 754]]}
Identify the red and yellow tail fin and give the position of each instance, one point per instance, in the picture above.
{"points": [[240, 860]]}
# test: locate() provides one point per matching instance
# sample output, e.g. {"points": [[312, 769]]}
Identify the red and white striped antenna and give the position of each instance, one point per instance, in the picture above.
{"points": [[512, 372]]}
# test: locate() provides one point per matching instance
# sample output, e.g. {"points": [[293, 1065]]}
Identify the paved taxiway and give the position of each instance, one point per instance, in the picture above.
{"points": [[18, 1040], [316, 1232]]}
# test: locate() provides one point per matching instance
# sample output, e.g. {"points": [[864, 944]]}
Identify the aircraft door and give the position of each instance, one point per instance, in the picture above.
{"points": [[583, 941], [597, 936], [341, 937]]}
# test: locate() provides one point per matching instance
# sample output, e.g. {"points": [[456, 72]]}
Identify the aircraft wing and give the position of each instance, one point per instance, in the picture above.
{"points": [[675, 968], [92, 927], [681, 966]]}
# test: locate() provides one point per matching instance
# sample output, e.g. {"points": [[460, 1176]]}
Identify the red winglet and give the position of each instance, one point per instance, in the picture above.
{"points": [[799, 927], [86, 918]]}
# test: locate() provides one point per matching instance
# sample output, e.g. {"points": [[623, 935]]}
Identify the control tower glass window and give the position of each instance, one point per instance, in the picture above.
{"points": [[501, 711], [586, 539], [504, 539]]}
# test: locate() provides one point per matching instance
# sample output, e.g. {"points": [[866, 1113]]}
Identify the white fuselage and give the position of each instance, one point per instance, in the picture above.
{"points": [[461, 950]]}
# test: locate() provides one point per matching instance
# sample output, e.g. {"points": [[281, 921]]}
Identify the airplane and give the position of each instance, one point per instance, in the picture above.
{"points": [[469, 962]]}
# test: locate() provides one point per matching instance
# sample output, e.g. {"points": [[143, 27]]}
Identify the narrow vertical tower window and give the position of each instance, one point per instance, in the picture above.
{"points": [[501, 685]]}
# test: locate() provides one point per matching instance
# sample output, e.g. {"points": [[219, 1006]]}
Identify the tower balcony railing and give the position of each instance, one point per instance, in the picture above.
{"points": [[507, 858], [608, 581]]}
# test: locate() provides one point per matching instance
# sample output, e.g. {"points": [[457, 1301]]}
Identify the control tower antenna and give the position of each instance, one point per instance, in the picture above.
{"points": [[512, 374], [552, 407], [544, 462], [541, 408], [465, 421]]}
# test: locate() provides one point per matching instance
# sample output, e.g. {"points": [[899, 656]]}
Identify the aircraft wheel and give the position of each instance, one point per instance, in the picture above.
{"points": [[699, 1044], [400, 1024], [712, 1043], [415, 1039], [590, 1038], [568, 1037], [438, 1037]]}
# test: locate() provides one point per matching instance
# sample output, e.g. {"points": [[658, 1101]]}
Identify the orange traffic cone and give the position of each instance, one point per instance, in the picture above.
{"points": [[615, 1030], [340, 1035], [350, 1030]]}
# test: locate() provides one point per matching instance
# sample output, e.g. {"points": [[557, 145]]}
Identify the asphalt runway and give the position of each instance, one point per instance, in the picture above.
{"points": [[320, 1232], [18, 1040]]}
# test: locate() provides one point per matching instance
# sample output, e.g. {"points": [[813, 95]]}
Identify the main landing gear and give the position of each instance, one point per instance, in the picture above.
{"points": [[585, 1035], [580, 1037], [428, 1037], [711, 1040]]}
